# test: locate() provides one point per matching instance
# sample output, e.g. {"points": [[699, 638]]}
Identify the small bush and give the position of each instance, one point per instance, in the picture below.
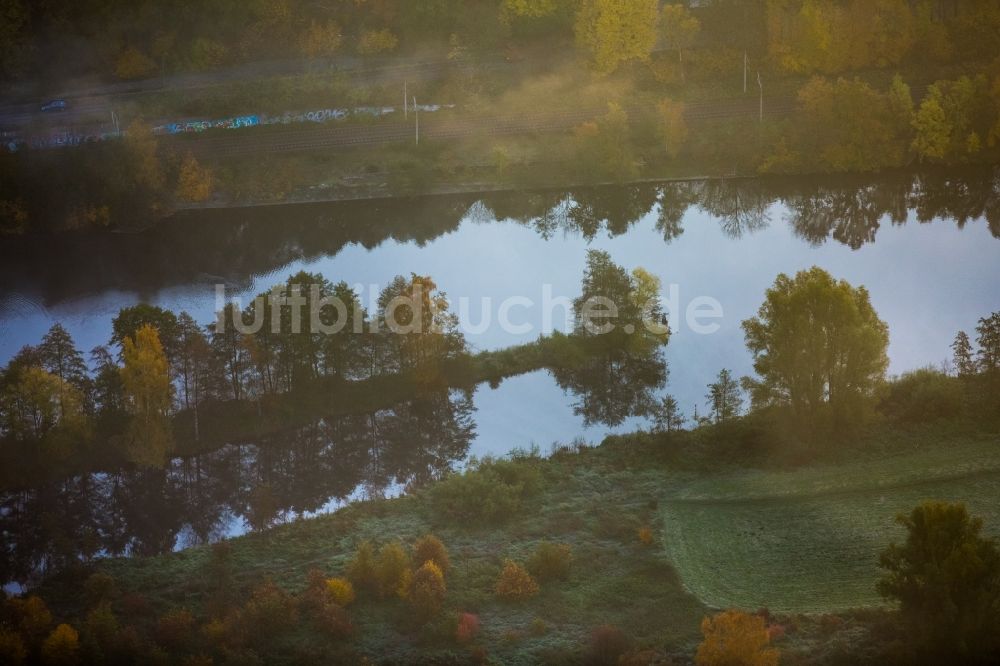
{"points": [[538, 627], [133, 604], [361, 570], [429, 548], [62, 647], [515, 583], [427, 590], [489, 492], [341, 591], [174, 630], [607, 645], [646, 536], [551, 561], [468, 627], [392, 570], [733, 637]]}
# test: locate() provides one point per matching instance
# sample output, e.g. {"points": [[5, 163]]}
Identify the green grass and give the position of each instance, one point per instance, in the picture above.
{"points": [[808, 541], [796, 541]]}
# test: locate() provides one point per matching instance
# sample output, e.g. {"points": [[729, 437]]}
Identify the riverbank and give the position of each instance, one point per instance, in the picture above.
{"points": [[624, 509]]}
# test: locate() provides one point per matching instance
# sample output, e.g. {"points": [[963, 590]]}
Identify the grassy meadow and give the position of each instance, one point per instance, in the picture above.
{"points": [[802, 542]]}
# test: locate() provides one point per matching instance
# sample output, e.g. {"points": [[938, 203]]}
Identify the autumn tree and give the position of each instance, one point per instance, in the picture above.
{"points": [[40, 406], [192, 365], [376, 42], [818, 346], [148, 395], [320, 39], [680, 29], [194, 181], [142, 149], [725, 398], [613, 32], [133, 64], [946, 578], [733, 638]]}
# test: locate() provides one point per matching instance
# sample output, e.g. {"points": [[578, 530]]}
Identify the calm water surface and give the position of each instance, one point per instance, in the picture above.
{"points": [[930, 271]]}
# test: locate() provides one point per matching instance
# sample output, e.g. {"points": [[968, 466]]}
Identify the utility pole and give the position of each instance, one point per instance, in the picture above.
{"points": [[406, 107], [761, 86], [416, 114], [744, 72]]}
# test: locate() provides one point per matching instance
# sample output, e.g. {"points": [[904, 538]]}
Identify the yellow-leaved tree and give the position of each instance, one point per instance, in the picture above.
{"points": [[616, 31], [194, 183], [148, 394], [733, 638]]}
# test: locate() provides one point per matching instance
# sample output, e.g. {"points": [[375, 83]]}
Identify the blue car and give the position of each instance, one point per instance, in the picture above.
{"points": [[55, 105]]}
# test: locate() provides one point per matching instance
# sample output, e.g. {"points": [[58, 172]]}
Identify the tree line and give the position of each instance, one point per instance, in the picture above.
{"points": [[159, 365], [138, 40]]}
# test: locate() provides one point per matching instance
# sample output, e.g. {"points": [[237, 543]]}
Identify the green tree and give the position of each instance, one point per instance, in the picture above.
{"points": [[946, 578], [192, 366], [60, 357], [669, 417], [613, 32], [148, 395], [819, 348], [988, 339], [933, 131], [846, 126], [965, 363], [614, 359], [604, 147], [680, 29], [725, 398]]}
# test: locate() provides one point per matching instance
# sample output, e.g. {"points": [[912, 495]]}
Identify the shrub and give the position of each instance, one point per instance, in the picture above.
{"points": [[269, 612], [538, 627], [468, 627], [429, 548], [639, 658], [174, 629], [551, 561], [607, 644], [489, 492], [62, 647], [427, 590], [515, 583], [733, 637], [341, 591], [392, 570], [12, 650], [646, 536], [923, 395], [100, 588], [361, 570]]}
